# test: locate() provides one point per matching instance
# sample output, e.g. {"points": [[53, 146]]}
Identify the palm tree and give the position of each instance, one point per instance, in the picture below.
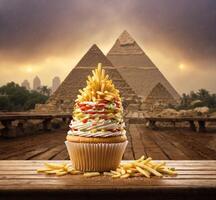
{"points": [[44, 90], [203, 94]]}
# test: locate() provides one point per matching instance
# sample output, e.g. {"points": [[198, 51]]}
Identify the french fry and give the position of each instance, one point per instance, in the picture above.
{"points": [[156, 173], [75, 172], [141, 159], [69, 169], [55, 166], [62, 173], [107, 174], [125, 176], [100, 93], [159, 165], [144, 172], [116, 176], [102, 87], [146, 160], [115, 172], [42, 170], [118, 170], [123, 171], [127, 165], [129, 171], [91, 174], [53, 171], [167, 171]]}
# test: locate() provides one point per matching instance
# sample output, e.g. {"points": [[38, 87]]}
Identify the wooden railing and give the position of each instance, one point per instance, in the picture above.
{"points": [[22, 118], [197, 124]]}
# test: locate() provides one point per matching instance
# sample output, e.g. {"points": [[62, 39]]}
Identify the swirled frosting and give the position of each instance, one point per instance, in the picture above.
{"points": [[101, 119], [97, 134]]}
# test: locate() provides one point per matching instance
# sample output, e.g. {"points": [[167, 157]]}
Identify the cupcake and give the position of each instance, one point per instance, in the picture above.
{"points": [[97, 138]]}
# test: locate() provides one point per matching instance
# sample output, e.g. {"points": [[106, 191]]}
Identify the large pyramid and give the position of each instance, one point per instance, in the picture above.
{"points": [[63, 98], [137, 68]]}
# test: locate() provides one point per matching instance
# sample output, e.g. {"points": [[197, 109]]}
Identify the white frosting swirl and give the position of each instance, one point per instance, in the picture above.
{"points": [[104, 124], [97, 134]]}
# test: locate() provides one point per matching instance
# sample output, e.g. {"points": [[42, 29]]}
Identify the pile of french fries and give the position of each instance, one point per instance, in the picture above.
{"points": [[99, 86], [136, 168], [141, 167]]}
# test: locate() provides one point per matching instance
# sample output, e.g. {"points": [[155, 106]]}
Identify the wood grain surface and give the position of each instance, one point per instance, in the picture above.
{"points": [[163, 144], [195, 180]]}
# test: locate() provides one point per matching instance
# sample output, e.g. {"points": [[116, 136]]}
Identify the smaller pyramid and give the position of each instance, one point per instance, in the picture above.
{"points": [[159, 92], [159, 96]]}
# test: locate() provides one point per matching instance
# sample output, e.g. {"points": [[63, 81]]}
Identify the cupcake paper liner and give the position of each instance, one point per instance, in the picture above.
{"points": [[95, 157]]}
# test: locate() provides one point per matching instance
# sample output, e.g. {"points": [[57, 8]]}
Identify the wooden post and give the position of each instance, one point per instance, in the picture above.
{"points": [[202, 127], [20, 127], [8, 130], [192, 125], [64, 119], [173, 123], [152, 124], [47, 124]]}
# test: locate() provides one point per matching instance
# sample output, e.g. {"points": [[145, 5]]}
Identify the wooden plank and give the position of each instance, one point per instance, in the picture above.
{"points": [[129, 153], [138, 148], [181, 145], [33, 172], [150, 146], [54, 177], [169, 149], [28, 147], [176, 162], [49, 154], [63, 155], [78, 182], [198, 146], [180, 168], [29, 154]]}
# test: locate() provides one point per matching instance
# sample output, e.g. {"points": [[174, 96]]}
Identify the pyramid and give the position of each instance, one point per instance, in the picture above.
{"points": [[159, 95], [63, 98], [137, 68]]}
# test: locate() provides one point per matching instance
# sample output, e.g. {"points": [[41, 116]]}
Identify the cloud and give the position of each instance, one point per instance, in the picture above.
{"points": [[35, 31]]}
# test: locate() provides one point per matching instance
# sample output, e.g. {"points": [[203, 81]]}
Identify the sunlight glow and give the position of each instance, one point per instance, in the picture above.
{"points": [[29, 69], [181, 66]]}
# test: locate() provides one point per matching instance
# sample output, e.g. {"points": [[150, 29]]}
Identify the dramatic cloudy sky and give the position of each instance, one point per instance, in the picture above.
{"points": [[48, 37]]}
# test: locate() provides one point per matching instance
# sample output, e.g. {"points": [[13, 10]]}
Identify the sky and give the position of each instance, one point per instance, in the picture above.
{"points": [[48, 37]]}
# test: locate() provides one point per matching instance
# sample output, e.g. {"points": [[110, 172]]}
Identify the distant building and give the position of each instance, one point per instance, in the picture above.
{"points": [[36, 83], [55, 83], [26, 84]]}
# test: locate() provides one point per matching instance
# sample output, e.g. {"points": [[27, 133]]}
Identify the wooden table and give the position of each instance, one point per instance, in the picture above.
{"points": [[19, 180]]}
